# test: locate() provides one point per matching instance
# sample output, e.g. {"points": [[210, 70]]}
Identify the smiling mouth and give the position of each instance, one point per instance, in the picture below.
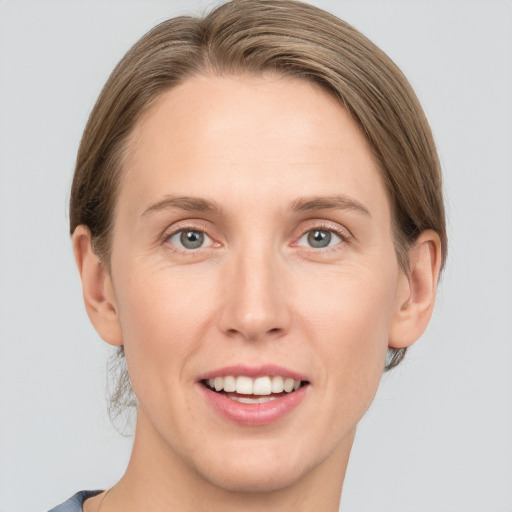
{"points": [[259, 390]]}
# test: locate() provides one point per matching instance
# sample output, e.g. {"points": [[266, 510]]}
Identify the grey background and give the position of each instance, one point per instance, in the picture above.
{"points": [[438, 437]]}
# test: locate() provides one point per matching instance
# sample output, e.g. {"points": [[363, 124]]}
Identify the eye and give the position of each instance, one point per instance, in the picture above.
{"points": [[319, 238], [189, 239]]}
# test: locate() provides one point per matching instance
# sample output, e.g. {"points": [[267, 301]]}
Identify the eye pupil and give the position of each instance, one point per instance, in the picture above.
{"points": [[192, 239], [319, 238]]}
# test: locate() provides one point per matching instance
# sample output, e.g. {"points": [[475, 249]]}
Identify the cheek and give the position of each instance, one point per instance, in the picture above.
{"points": [[350, 315], [353, 304], [161, 314], [159, 299]]}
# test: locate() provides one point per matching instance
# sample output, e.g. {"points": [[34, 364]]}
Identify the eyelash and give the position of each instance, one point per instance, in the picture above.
{"points": [[341, 233], [189, 227]]}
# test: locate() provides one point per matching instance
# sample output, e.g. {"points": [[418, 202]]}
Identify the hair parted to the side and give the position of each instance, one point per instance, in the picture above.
{"points": [[264, 36]]}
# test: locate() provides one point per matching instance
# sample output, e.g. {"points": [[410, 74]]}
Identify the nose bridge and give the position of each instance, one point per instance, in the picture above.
{"points": [[255, 305]]}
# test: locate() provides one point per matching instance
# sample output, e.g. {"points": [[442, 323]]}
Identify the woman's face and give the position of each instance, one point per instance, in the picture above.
{"points": [[252, 249]]}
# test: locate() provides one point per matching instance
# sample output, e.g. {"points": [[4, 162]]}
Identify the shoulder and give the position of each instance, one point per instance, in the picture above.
{"points": [[74, 504]]}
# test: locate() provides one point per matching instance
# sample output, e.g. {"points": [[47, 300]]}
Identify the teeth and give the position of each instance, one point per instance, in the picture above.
{"points": [[229, 384], [245, 400], [244, 385], [260, 386], [278, 385], [288, 385]]}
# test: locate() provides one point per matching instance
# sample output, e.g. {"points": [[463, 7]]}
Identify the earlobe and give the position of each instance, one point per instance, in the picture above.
{"points": [[97, 288], [417, 294]]}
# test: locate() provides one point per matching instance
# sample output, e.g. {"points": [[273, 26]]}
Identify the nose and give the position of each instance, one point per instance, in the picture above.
{"points": [[255, 303]]}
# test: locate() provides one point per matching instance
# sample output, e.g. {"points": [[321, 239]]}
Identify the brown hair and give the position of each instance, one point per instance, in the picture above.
{"points": [[259, 36]]}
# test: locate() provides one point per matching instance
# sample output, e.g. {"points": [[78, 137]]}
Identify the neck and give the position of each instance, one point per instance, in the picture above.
{"points": [[158, 480]]}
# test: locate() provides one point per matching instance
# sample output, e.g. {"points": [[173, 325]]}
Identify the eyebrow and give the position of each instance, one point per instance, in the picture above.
{"points": [[183, 203], [303, 204], [342, 202]]}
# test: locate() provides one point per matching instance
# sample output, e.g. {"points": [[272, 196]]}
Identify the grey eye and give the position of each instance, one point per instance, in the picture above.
{"points": [[319, 238], [189, 239]]}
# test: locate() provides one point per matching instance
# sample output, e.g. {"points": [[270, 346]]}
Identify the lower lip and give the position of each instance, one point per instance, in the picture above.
{"points": [[254, 414]]}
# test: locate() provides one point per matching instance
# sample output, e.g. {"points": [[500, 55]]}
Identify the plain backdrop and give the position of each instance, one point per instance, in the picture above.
{"points": [[438, 437]]}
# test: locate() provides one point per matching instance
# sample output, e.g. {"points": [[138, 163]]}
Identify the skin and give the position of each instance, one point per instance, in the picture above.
{"points": [[257, 292]]}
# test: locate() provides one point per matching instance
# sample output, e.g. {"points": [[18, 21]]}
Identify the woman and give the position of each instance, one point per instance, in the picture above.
{"points": [[257, 218]]}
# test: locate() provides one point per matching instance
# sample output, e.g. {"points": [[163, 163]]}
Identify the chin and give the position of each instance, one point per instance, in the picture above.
{"points": [[253, 478], [263, 468]]}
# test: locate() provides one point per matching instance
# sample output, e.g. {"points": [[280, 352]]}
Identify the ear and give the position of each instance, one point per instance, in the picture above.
{"points": [[98, 292], [417, 291]]}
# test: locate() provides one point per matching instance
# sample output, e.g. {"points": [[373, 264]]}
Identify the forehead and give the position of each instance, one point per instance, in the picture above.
{"points": [[266, 137]]}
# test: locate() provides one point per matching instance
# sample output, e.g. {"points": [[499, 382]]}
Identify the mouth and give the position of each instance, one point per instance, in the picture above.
{"points": [[248, 390], [254, 397]]}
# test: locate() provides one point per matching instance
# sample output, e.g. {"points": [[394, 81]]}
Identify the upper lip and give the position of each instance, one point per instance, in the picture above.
{"points": [[270, 370]]}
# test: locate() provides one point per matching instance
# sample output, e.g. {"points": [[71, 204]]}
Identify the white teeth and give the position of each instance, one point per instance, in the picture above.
{"points": [[288, 385], [244, 385], [245, 400], [229, 384], [261, 386], [278, 384]]}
